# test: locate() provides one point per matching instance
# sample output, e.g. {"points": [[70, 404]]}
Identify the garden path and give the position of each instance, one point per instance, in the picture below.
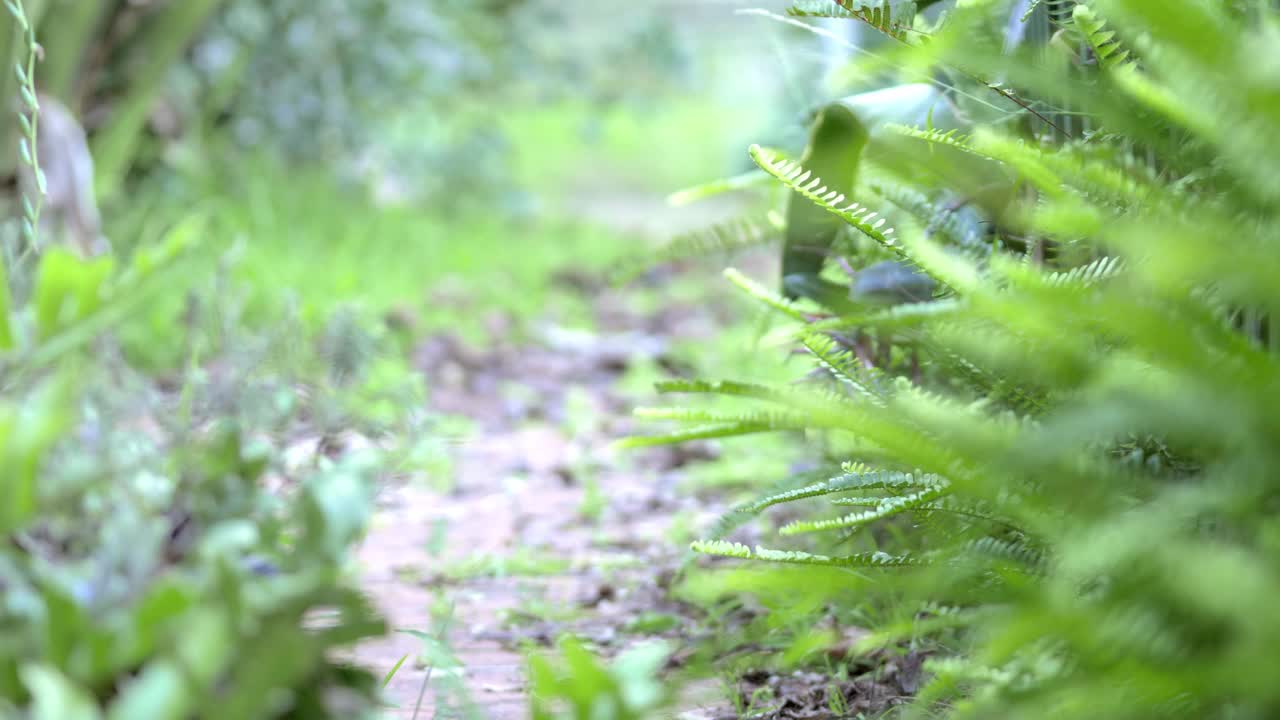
{"points": [[546, 528]]}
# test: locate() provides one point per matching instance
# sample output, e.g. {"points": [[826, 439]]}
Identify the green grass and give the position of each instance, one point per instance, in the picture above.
{"points": [[298, 242], [297, 245]]}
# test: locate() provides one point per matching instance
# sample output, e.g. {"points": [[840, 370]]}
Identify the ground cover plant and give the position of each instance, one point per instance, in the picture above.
{"points": [[1035, 286]]}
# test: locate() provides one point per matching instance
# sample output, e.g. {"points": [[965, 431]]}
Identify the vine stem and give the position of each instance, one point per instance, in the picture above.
{"points": [[29, 119]]}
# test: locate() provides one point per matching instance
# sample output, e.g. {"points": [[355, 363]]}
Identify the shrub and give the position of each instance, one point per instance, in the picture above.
{"points": [[162, 556], [1059, 463]]}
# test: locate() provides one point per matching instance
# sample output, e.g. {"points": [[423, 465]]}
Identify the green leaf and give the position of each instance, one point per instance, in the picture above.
{"points": [[166, 35], [159, 691], [68, 289], [55, 697], [27, 434]]}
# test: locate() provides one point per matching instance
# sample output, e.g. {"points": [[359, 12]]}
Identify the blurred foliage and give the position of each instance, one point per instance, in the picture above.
{"points": [[406, 95], [148, 569], [192, 429], [1047, 376], [182, 490], [109, 63], [579, 685]]}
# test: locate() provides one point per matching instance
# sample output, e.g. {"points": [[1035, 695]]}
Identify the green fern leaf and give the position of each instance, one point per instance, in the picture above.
{"points": [[721, 238], [764, 295], [899, 316], [845, 368], [1110, 53], [702, 432], [1099, 270], [891, 18], [716, 187], [769, 420], [720, 387], [799, 180], [1011, 551], [962, 227], [740, 551], [889, 507], [951, 138], [877, 480]]}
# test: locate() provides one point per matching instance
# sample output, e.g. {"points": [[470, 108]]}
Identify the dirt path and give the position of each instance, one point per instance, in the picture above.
{"points": [[546, 530]]}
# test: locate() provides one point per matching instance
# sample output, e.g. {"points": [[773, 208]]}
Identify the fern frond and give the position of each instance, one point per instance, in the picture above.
{"points": [[796, 178], [740, 551], [888, 507], [1111, 54], [952, 506], [951, 138], [820, 9], [1059, 11], [985, 384], [867, 502], [894, 19], [721, 387], [866, 480], [702, 432], [764, 295], [721, 238], [1011, 551], [948, 221], [845, 368], [716, 187], [737, 515], [899, 316], [1097, 180], [769, 420], [1103, 268]]}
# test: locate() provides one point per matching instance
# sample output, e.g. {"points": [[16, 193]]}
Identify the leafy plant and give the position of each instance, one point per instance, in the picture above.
{"points": [[146, 568], [101, 54], [582, 687], [1058, 462]]}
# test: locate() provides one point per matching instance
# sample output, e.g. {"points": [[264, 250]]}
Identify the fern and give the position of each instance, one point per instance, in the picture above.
{"points": [[950, 138], [793, 557], [716, 187], [796, 178], [772, 421], [821, 9], [764, 295], [1103, 268], [891, 18], [943, 218], [1094, 434], [722, 238], [867, 383], [898, 316], [1058, 11], [1111, 55], [1012, 551], [864, 480], [887, 508], [698, 432]]}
